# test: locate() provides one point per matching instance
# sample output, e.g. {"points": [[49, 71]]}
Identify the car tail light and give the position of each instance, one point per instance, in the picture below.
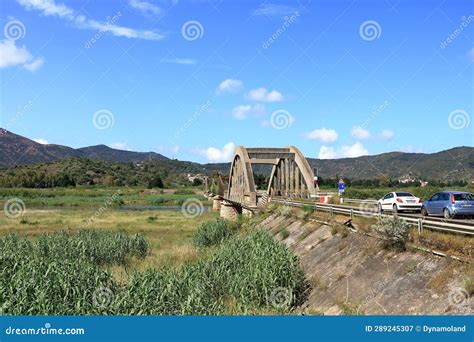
{"points": [[452, 198], [419, 200], [399, 200]]}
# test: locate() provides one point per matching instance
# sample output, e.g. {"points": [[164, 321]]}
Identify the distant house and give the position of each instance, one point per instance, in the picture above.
{"points": [[191, 177], [406, 179], [423, 183]]}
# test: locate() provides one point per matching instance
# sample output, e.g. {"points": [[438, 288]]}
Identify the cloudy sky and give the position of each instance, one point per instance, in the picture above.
{"points": [[193, 79]]}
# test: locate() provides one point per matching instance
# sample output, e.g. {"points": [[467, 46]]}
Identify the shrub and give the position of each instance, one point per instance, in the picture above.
{"points": [[394, 231], [252, 268], [285, 211], [212, 233], [97, 247], [284, 233]]}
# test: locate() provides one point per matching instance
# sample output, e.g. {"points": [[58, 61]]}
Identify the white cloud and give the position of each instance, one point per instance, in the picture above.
{"points": [[119, 31], [262, 94], [34, 65], [346, 151], [414, 149], [48, 7], [230, 86], [387, 134], [51, 8], [169, 151], [216, 155], [12, 55], [41, 141], [120, 146], [269, 9], [182, 61], [241, 112], [360, 133], [353, 151], [145, 7], [326, 152], [323, 134]]}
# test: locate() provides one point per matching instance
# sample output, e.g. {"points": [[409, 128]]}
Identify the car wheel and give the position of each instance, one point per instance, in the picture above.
{"points": [[380, 209], [446, 213], [424, 212], [395, 210]]}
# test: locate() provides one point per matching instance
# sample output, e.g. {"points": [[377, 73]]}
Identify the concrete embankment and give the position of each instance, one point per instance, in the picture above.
{"points": [[350, 273]]}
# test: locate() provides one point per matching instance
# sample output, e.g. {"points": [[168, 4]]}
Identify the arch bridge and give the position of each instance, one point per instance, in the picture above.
{"points": [[291, 175]]}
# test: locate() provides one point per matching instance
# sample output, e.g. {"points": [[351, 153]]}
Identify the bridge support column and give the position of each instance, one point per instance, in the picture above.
{"points": [[216, 203], [247, 212], [230, 211]]}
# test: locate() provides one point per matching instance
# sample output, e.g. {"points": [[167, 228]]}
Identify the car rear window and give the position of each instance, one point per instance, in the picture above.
{"points": [[464, 197], [404, 194]]}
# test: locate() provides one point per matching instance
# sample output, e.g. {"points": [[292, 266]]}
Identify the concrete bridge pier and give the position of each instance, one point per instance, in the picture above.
{"points": [[230, 211], [216, 203], [247, 212]]}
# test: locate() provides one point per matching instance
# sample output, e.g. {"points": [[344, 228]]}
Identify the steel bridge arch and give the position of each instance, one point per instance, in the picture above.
{"points": [[291, 174]]}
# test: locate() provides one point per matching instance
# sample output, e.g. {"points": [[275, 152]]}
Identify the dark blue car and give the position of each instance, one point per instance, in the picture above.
{"points": [[449, 204]]}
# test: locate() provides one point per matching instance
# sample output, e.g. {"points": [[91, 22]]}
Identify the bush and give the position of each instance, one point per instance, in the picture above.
{"points": [[284, 233], [394, 231], [285, 211], [212, 233], [94, 246]]}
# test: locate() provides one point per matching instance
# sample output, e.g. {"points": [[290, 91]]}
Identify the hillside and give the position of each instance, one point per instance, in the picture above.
{"points": [[453, 164], [18, 150], [445, 166], [83, 171]]}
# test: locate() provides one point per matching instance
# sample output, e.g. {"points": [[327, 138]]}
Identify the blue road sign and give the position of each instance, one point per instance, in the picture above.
{"points": [[341, 185]]}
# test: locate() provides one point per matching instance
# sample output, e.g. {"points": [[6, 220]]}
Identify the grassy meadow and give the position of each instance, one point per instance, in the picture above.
{"points": [[74, 251]]}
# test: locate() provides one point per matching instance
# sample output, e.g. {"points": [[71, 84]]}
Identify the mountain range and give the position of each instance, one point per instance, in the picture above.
{"points": [[18, 150], [453, 164]]}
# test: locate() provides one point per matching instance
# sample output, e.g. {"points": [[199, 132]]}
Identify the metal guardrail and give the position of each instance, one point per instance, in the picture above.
{"points": [[420, 222], [361, 201]]}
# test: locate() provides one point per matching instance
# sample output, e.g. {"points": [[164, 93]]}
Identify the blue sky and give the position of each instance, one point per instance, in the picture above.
{"points": [[193, 79]]}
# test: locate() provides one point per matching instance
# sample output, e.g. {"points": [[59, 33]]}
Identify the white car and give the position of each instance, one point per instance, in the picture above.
{"points": [[399, 201]]}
